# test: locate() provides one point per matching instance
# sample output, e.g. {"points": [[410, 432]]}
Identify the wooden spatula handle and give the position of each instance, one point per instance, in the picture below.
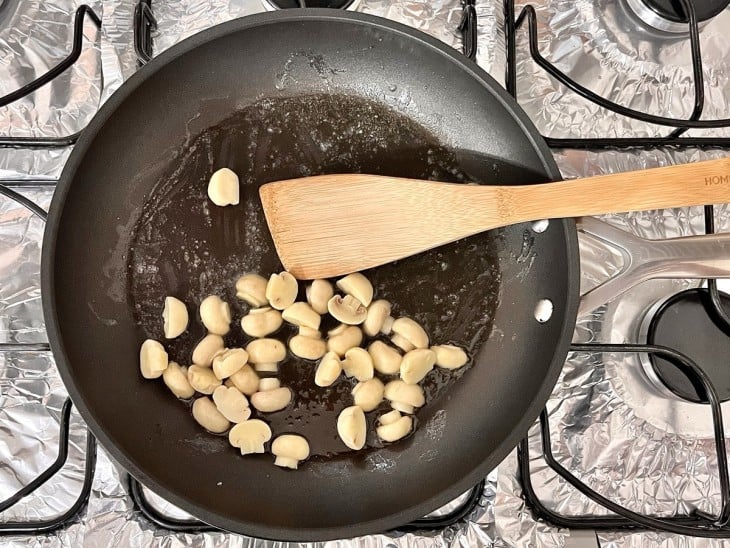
{"points": [[673, 186]]}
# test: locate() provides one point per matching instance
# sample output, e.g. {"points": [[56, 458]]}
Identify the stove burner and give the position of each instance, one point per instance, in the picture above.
{"points": [[686, 323], [287, 4], [670, 16]]}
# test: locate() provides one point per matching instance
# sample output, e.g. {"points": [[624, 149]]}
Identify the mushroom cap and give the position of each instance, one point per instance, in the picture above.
{"points": [[269, 401], [386, 359], [207, 415], [307, 348], [223, 187], [358, 364], [389, 417], [399, 391], [252, 289], [205, 350], [229, 361], [269, 383], [246, 380], [378, 311], [301, 314], [265, 351], [176, 379], [153, 359], [368, 394], [358, 286], [347, 309], [344, 337], [215, 315], [410, 330], [352, 427], [416, 364], [231, 404], [281, 291], [250, 436], [260, 322], [309, 332], [449, 356], [203, 379], [175, 317], [328, 370], [291, 446], [318, 293], [395, 430]]}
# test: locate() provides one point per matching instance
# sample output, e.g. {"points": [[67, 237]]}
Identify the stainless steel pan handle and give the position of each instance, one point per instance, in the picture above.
{"points": [[705, 256]]}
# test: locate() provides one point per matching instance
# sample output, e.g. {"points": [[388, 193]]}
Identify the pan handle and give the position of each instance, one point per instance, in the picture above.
{"points": [[705, 256]]}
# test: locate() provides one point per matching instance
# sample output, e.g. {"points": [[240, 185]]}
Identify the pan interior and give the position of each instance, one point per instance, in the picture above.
{"points": [[131, 206]]}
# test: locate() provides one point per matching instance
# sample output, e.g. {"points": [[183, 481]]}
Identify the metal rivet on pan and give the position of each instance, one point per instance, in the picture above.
{"points": [[543, 310], [540, 226]]}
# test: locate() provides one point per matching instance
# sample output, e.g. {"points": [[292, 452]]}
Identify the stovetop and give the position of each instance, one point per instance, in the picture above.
{"points": [[609, 423]]}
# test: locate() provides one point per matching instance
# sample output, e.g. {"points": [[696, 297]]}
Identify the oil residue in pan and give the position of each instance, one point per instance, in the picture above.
{"points": [[185, 246]]}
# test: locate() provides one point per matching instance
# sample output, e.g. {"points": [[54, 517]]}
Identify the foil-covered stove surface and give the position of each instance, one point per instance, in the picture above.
{"points": [[605, 422]]}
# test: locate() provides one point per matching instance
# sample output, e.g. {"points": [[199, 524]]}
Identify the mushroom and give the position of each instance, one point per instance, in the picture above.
{"points": [[344, 337], [404, 397], [281, 291], [358, 286], [226, 363], [347, 309], [174, 317], [203, 379], [352, 427], [223, 188], [407, 335], [358, 364], [301, 314], [328, 370], [260, 322], [215, 315], [416, 364], [378, 319], [308, 348], [265, 354], [393, 426], [386, 359], [207, 415], [176, 379], [245, 379], [368, 394], [289, 450], [205, 350], [269, 383], [250, 436], [152, 359], [252, 289], [268, 401], [449, 356], [309, 332], [231, 403], [318, 293]]}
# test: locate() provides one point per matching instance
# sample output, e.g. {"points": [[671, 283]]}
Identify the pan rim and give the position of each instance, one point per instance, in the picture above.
{"points": [[249, 528]]}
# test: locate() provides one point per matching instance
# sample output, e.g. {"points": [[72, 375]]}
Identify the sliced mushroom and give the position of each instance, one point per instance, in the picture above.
{"points": [[223, 188], [378, 319], [358, 364], [358, 286], [176, 379], [174, 317], [269, 383], [215, 315], [203, 379], [281, 291], [232, 404], [368, 394], [252, 289], [207, 415], [207, 348], [344, 337], [347, 309], [265, 354], [301, 314], [290, 450], [260, 322], [393, 426], [352, 427], [404, 397], [246, 380], [309, 332], [407, 335], [226, 363], [386, 359], [307, 347], [250, 436], [328, 370], [152, 359], [319, 292], [269, 401], [449, 356], [416, 365]]}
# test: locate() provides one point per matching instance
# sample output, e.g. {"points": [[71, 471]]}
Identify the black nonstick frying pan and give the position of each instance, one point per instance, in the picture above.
{"points": [[275, 96]]}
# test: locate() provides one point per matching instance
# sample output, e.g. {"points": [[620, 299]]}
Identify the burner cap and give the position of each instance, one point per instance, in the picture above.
{"points": [[687, 323], [287, 4], [668, 15]]}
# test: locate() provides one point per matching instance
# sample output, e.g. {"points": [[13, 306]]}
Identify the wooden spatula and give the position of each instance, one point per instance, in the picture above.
{"points": [[336, 224]]}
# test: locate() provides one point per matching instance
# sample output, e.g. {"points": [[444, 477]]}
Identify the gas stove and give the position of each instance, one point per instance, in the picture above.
{"points": [[630, 448]]}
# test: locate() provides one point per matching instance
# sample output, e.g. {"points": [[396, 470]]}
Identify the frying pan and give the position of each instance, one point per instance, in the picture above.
{"points": [[274, 96]]}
